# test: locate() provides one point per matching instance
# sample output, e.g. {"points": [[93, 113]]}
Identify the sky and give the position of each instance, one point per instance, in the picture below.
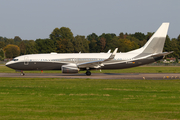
{"points": [[34, 19]]}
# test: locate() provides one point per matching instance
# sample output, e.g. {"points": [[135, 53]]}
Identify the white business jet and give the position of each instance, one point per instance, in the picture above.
{"points": [[74, 62]]}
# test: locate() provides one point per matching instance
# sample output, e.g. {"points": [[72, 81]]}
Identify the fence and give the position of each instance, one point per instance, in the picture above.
{"points": [[163, 64], [2, 62]]}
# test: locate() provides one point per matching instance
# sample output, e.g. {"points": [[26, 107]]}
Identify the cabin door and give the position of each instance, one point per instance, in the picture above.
{"points": [[26, 60]]}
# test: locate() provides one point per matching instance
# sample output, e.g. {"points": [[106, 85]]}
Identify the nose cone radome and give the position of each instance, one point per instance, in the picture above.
{"points": [[9, 64]]}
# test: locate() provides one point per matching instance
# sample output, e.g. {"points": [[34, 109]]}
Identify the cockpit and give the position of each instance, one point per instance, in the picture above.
{"points": [[15, 60]]}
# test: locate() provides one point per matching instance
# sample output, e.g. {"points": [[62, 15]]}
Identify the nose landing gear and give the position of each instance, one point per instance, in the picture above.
{"points": [[22, 73]]}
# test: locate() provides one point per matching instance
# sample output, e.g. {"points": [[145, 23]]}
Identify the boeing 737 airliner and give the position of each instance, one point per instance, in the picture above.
{"points": [[74, 62]]}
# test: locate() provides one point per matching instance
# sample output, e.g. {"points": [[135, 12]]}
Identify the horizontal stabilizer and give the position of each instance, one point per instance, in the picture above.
{"points": [[162, 54]]}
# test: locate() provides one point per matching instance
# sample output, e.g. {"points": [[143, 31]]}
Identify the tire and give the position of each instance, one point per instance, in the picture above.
{"points": [[88, 73], [22, 74]]}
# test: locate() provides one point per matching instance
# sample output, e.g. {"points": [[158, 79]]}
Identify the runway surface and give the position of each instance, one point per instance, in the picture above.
{"points": [[97, 75]]}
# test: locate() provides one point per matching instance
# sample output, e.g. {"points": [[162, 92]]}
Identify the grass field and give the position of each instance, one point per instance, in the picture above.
{"points": [[142, 69], [53, 98]]}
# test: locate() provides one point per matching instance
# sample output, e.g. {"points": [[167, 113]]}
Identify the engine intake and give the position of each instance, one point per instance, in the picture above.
{"points": [[70, 68]]}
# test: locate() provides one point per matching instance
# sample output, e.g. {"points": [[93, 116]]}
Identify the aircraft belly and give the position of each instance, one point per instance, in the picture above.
{"points": [[36, 66]]}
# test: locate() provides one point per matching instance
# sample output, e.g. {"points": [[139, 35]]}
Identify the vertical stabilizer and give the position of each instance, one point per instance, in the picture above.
{"points": [[156, 43]]}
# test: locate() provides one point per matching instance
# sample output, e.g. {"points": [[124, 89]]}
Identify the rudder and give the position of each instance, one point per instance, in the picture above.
{"points": [[156, 43]]}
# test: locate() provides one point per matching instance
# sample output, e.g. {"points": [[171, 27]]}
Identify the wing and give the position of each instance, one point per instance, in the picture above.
{"points": [[98, 63]]}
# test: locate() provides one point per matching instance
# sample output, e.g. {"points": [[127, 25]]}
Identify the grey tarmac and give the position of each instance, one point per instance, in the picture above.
{"points": [[97, 75]]}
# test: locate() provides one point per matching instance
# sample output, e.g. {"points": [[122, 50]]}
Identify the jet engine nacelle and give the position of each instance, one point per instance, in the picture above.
{"points": [[70, 68]]}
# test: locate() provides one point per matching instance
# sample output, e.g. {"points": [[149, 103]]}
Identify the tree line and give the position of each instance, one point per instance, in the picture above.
{"points": [[61, 40]]}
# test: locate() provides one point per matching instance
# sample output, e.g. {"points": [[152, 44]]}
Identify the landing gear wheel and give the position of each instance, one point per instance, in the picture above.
{"points": [[22, 74], [88, 73]]}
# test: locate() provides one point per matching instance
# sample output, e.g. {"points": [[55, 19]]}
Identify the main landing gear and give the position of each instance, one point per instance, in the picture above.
{"points": [[88, 73]]}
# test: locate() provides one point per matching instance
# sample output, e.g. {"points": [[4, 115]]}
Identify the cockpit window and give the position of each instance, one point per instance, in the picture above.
{"points": [[15, 60]]}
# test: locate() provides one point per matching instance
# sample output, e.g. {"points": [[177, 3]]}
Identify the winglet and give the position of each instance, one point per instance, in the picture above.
{"points": [[109, 51], [113, 54], [115, 51]]}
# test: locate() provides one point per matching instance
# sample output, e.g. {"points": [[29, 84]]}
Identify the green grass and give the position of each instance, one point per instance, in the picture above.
{"points": [[143, 69], [53, 98]]}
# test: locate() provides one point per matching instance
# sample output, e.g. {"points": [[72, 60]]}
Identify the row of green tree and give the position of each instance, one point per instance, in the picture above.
{"points": [[61, 40]]}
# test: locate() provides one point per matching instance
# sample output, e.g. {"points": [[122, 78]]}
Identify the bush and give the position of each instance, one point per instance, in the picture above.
{"points": [[12, 51], [2, 53], [1, 58]]}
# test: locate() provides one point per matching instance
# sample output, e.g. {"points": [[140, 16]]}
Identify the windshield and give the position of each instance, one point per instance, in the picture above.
{"points": [[15, 60]]}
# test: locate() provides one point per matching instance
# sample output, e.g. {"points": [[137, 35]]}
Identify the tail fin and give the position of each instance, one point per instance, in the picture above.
{"points": [[156, 43]]}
